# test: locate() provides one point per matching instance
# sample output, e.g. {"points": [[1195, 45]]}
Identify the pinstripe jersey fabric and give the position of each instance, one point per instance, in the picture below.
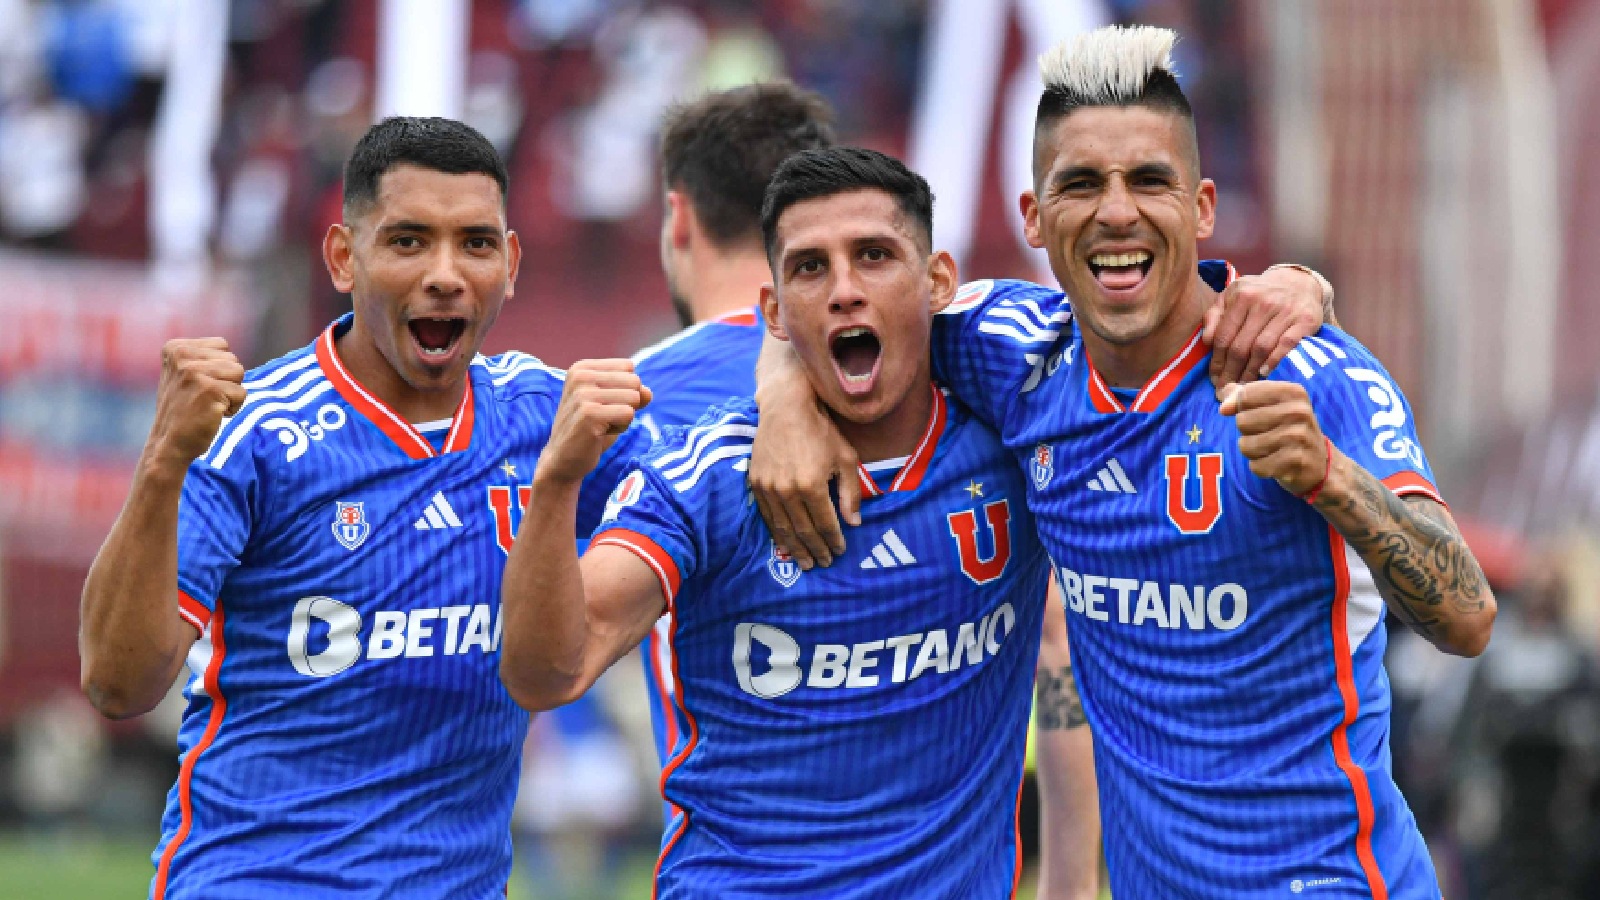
{"points": [[346, 731], [855, 731], [704, 365], [1234, 682]]}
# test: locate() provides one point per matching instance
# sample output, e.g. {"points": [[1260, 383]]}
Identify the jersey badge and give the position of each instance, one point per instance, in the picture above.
{"points": [[1208, 469], [980, 567], [350, 524], [1043, 467], [505, 528], [626, 494], [784, 569]]}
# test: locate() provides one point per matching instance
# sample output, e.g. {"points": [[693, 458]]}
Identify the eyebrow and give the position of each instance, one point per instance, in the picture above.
{"points": [[888, 236], [1151, 168], [474, 230]]}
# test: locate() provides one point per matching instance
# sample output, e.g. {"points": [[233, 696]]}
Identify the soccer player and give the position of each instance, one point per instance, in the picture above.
{"points": [[1235, 687], [322, 539], [867, 739], [717, 155]]}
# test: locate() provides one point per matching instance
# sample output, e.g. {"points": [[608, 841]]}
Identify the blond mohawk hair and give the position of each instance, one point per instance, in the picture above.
{"points": [[1109, 66]]}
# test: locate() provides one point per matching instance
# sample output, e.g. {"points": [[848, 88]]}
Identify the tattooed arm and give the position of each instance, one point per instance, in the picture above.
{"points": [[1069, 820], [1423, 567]]}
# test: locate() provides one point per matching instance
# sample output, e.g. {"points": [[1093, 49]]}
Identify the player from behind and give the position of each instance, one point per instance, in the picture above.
{"points": [[329, 561], [867, 739], [1235, 686]]}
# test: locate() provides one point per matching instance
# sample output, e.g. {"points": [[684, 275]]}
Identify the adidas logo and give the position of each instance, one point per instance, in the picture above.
{"points": [[889, 553], [438, 515], [1112, 479]]}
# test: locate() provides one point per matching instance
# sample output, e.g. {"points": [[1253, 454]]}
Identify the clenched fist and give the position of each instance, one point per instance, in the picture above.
{"points": [[597, 404], [1279, 434], [201, 384]]}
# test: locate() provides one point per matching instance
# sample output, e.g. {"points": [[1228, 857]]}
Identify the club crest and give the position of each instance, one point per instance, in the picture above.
{"points": [[350, 524], [782, 566], [1043, 467], [626, 494]]}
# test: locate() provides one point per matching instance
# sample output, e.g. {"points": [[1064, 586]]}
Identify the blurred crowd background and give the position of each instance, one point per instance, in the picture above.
{"points": [[168, 168]]}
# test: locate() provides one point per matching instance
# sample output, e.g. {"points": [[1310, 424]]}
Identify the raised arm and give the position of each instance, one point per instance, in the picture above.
{"points": [[1424, 569], [131, 636], [567, 620], [1069, 802]]}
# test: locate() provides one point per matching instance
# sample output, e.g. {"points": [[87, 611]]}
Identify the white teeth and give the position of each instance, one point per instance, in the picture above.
{"points": [[853, 332], [857, 379], [426, 351], [1119, 260]]}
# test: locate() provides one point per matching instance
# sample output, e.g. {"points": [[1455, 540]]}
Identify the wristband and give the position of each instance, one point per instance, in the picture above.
{"points": [[1311, 495]]}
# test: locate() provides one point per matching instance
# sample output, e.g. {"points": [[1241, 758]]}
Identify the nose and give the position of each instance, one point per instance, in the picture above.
{"points": [[443, 278], [1117, 209], [847, 296]]}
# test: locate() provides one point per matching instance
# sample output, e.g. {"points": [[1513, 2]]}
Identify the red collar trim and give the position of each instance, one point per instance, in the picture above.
{"points": [[910, 476], [408, 439], [1156, 390], [739, 317]]}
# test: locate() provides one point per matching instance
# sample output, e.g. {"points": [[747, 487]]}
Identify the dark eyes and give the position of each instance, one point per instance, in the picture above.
{"points": [[875, 254]]}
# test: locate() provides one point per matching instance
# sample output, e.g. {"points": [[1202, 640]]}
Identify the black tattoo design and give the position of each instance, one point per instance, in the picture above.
{"points": [[1417, 556], [1056, 701]]}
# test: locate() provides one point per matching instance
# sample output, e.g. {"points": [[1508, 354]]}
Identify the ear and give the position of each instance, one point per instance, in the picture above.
{"points": [[513, 262], [1206, 205], [769, 313], [680, 220], [1030, 220], [338, 247], [942, 273]]}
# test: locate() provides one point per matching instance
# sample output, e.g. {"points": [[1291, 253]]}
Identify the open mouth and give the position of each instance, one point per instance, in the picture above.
{"points": [[855, 354], [437, 337], [1121, 271]]}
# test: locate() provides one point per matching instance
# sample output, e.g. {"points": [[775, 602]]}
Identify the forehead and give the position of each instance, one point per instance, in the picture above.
{"points": [[416, 194], [1105, 137], [842, 218]]}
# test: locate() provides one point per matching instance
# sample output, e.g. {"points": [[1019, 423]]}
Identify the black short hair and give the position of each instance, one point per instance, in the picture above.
{"points": [[443, 145], [823, 173], [722, 149], [1161, 92]]}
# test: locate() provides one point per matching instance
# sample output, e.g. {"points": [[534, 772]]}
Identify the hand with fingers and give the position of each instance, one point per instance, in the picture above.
{"points": [[1258, 320], [798, 453], [202, 383], [598, 404], [1279, 434]]}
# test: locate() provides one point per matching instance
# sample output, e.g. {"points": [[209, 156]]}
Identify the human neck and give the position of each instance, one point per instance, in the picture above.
{"points": [[898, 432], [727, 281], [368, 366], [1132, 365]]}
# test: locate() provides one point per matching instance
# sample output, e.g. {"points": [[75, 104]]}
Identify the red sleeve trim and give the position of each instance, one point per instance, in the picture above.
{"points": [[193, 612], [659, 560], [1411, 484]]}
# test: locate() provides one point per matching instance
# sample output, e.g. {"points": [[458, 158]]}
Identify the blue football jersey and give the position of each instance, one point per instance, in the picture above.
{"points": [[690, 372], [1233, 679], [855, 731], [346, 731]]}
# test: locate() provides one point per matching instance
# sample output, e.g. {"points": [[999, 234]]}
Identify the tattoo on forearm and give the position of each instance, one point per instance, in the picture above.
{"points": [[1056, 700], [1418, 558]]}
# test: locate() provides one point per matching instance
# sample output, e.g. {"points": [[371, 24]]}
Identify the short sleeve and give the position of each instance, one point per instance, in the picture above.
{"points": [[1360, 410], [678, 508], [992, 340], [614, 465], [216, 513]]}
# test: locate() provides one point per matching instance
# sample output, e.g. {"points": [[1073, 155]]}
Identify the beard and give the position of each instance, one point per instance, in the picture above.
{"points": [[680, 305]]}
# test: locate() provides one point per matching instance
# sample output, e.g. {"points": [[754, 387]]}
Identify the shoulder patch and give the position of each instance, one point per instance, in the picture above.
{"points": [[282, 399], [969, 295]]}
